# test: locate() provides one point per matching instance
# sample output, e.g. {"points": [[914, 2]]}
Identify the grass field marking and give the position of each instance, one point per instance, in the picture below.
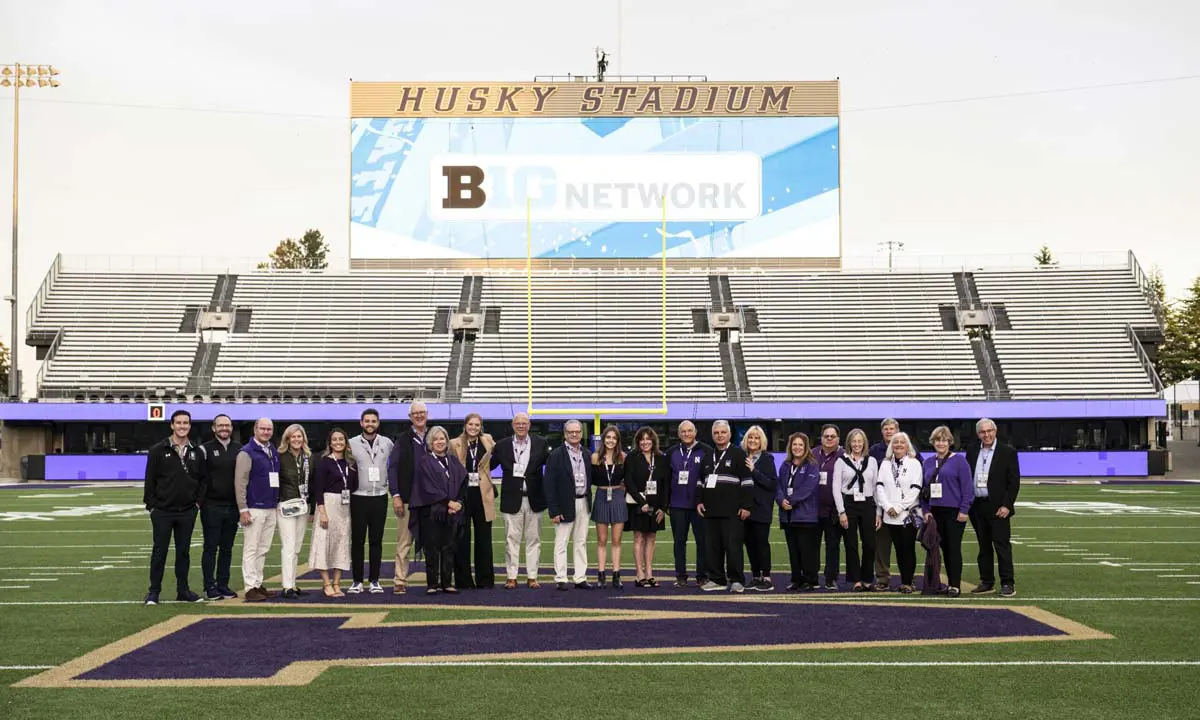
{"points": [[304, 672], [804, 663], [1051, 527], [25, 667], [14, 587], [1155, 569], [1178, 576]]}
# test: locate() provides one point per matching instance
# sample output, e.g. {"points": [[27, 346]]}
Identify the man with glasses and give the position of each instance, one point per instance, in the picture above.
{"points": [[520, 458], [402, 465], [218, 508], [568, 500], [827, 455], [688, 460], [997, 473]]}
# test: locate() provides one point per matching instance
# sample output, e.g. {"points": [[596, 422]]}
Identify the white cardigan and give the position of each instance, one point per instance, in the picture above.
{"points": [[901, 494]]}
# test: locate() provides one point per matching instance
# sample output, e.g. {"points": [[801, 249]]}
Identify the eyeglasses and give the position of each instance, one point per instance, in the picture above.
{"points": [[829, 437]]}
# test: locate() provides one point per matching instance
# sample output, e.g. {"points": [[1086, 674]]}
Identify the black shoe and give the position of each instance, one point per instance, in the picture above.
{"points": [[226, 592], [681, 581], [831, 585], [299, 592], [151, 598], [617, 581], [602, 581], [450, 590], [561, 586], [213, 594], [793, 586], [953, 592], [188, 596], [983, 589], [289, 593], [431, 591], [807, 587], [585, 585], [1008, 591]]}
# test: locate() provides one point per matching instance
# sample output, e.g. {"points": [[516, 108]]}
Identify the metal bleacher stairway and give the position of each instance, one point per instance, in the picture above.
{"points": [[737, 334]]}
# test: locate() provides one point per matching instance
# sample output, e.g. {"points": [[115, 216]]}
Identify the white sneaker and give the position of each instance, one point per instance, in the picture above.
{"points": [[354, 589], [737, 587], [376, 589], [711, 586]]}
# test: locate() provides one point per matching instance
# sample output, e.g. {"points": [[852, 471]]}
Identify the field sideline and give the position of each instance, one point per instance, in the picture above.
{"points": [[1109, 573]]}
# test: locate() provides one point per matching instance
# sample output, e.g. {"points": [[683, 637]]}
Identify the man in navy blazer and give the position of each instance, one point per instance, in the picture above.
{"points": [[569, 503], [522, 498]]}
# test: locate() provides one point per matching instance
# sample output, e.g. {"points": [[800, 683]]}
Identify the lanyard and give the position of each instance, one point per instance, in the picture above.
{"points": [[792, 476], [686, 458], [609, 470], [720, 457], [344, 472], [473, 453], [180, 455], [897, 472], [445, 465], [651, 466], [518, 452], [937, 469]]}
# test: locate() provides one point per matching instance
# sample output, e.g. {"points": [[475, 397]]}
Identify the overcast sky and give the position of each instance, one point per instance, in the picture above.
{"points": [[218, 128]]}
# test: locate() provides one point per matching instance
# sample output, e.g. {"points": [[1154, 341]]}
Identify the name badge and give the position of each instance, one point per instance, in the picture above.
{"points": [[373, 475], [345, 497], [860, 497], [518, 473], [710, 482], [683, 477], [273, 479], [981, 481], [825, 478], [935, 491], [651, 487], [609, 495], [472, 479], [304, 489], [580, 481]]}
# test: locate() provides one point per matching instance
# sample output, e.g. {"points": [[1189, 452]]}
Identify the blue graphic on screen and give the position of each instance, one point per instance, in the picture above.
{"points": [[390, 187]]}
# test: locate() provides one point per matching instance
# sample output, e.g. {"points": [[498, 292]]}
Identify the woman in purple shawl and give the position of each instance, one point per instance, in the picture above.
{"points": [[438, 493]]}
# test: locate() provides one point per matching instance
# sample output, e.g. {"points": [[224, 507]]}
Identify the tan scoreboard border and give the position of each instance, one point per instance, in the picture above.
{"points": [[606, 99]]}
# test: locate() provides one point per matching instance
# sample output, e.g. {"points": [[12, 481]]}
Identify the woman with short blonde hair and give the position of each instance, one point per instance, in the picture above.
{"points": [[946, 498], [757, 527], [295, 472], [854, 497], [898, 495]]}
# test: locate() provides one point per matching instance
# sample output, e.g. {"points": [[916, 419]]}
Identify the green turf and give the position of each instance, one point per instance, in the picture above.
{"points": [[1151, 619]]}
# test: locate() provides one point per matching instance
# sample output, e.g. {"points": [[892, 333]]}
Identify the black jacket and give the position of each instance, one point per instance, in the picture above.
{"points": [[217, 485], [1004, 475], [732, 491], [510, 487], [404, 459], [637, 472], [559, 484], [172, 482], [766, 480]]}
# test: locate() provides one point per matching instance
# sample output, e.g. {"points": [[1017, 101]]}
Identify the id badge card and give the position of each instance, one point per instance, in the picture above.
{"points": [[473, 479], [825, 478], [373, 475], [345, 497], [981, 481], [935, 491], [683, 477], [580, 482], [608, 495], [651, 487], [273, 479], [304, 489], [860, 497], [710, 482]]}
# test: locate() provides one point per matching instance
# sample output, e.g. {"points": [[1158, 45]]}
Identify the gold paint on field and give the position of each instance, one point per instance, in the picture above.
{"points": [[305, 671]]}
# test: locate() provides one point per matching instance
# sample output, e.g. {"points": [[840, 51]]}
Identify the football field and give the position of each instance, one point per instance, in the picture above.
{"points": [[1106, 623]]}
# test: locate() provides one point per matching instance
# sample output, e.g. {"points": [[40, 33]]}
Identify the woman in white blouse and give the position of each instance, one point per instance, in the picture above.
{"points": [[897, 493], [860, 517]]}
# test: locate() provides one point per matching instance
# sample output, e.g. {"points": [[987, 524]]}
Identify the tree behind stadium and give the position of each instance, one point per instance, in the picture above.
{"points": [[1179, 356], [309, 253]]}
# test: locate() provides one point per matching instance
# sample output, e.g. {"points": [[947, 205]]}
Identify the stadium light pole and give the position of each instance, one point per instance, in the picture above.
{"points": [[16, 76]]}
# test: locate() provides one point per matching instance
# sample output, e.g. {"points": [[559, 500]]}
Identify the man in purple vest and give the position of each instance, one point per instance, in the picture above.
{"points": [[256, 485], [827, 455]]}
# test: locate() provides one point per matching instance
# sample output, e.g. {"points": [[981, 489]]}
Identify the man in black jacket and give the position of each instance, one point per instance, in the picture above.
{"points": [[997, 474], [520, 458], [218, 508], [567, 483], [724, 500], [174, 470]]}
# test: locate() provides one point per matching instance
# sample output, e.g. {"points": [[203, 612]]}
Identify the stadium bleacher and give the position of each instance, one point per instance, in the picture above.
{"points": [[794, 335]]}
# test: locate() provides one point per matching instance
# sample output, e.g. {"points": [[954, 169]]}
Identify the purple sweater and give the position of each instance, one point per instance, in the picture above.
{"points": [[799, 489], [955, 477], [826, 507]]}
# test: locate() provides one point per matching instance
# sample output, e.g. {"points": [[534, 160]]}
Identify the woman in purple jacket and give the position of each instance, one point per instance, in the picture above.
{"points": [[796, 495], [946, 498]]}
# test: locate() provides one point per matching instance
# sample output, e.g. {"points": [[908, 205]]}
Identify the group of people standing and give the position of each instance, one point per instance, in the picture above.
{"points": [[869, 499]]}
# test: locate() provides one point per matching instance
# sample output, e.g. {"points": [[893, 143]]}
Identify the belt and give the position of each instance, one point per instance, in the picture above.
{"points": [[580, 497]]}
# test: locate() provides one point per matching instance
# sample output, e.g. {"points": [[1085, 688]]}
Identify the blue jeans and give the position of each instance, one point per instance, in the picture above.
{"points": [[220, 524]]}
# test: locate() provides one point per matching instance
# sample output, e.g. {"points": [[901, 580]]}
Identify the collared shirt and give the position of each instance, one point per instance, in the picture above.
{"points": [[578, 469], [982, 465], [521, 450]]}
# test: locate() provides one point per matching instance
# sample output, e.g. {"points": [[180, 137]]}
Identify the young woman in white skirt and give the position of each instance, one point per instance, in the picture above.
{"points": [[335, 479]]}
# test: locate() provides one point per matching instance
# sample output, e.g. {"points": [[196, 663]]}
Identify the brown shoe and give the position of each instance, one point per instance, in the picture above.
{"points": [[533, 584], [268, 593], [255, 595], [400, 589], [510, 584]]}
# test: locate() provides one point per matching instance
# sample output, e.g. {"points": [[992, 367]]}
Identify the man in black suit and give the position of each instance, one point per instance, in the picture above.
{"points": [[567, 484], [997, 474], [522, 499]]}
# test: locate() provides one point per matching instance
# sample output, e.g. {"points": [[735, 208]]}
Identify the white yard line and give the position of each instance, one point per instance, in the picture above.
{"points": [[796, 663]]}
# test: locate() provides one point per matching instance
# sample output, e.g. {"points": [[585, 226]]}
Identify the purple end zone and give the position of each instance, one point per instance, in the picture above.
{"points": [[228, 647]]}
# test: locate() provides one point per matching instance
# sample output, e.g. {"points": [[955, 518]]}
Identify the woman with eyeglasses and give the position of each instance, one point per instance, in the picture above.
{"points": [[796, 496], [335, 478], [608, 508], [946, 499]]}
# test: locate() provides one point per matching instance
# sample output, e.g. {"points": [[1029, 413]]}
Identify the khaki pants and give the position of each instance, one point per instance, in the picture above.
{"points": [[404, 542], [523, 526], [574, 534], [256, 543]]}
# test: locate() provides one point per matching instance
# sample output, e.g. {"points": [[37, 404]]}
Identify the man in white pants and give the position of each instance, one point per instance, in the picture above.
{"points": [[522, 498], [256, 487], [568, 501]]}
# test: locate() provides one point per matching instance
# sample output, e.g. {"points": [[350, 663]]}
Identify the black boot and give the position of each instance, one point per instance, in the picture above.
{"points": [[601, 580], [617, 580]]}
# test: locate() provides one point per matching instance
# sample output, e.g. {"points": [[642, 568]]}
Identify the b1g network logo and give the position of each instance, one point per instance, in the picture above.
{"points": [[723, 186]]}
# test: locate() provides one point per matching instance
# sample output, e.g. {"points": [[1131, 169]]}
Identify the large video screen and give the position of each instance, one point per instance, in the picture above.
{"points": [[593, 187]]}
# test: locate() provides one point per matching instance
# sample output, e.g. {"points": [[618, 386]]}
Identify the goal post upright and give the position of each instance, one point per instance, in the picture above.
{"points": [[595, 412]]}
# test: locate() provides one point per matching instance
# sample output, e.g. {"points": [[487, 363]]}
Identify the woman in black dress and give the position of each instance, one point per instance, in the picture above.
{"points": [[647, 488]]}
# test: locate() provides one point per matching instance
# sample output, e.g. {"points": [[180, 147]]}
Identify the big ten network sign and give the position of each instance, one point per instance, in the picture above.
{"points": [[691, 186]]}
